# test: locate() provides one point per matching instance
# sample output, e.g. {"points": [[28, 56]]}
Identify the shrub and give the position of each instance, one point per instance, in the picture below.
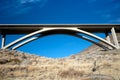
{"points": [[70, 73], [14, 61]]}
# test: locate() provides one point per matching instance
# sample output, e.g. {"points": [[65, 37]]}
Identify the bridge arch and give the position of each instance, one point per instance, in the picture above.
{"points": [[48, 31], [75, 35]]}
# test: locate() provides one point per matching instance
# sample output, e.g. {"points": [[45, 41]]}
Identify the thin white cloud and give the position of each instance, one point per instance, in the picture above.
{"points": [[111, 14], [117, 20], [23, 10], [106, 16], [103, 14], [20, 6], [29, 1]]}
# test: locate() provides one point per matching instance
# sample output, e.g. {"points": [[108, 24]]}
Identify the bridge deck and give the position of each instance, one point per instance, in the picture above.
{"points": [[28, 28]]}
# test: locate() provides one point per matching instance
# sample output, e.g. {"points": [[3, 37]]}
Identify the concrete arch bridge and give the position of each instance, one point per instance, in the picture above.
{"points": [[36, 31]]}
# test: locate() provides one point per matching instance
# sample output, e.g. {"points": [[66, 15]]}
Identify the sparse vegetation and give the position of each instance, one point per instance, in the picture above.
{"points": [[71, 73], [21, 66], [15, 61]]}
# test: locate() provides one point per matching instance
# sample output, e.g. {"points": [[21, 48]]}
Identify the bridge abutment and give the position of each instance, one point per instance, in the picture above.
{"points": [[115, 37]]}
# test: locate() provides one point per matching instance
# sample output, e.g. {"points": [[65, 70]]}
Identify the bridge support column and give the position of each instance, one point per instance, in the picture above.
{"points": [[115, 37], [108, 39], [3, 40]]}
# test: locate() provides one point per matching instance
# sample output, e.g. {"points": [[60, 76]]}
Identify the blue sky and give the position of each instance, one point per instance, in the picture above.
{"points": [[58, 12]]}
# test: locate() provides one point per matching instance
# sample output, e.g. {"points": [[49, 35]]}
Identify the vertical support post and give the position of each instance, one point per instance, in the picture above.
{"points": [[115, 37], [108, 39], [3, 40]]}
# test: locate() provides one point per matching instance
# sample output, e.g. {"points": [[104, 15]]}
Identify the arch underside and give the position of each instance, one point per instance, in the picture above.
{"points": [[50, 31], [75, 35]]}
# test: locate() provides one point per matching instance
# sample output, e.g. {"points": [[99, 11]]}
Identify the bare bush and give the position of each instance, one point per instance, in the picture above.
{"points": [[71, 73]]}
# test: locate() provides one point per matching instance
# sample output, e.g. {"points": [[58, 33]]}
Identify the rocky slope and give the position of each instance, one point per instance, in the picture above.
{"points": [[92, 64], [102, 65], [94, 48]]}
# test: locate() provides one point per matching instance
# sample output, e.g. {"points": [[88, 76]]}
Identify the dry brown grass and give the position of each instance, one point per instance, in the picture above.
{"points": [[1, 75], [106, 64], [70, 72], [61, 69]]}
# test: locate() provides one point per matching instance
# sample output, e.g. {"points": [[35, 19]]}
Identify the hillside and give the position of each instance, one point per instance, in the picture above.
{"points": [[16, 65], [91, 64], [94, 48]]}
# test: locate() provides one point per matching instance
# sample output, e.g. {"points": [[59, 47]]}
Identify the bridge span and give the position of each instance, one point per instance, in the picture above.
{"points": [[36, 31]]}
